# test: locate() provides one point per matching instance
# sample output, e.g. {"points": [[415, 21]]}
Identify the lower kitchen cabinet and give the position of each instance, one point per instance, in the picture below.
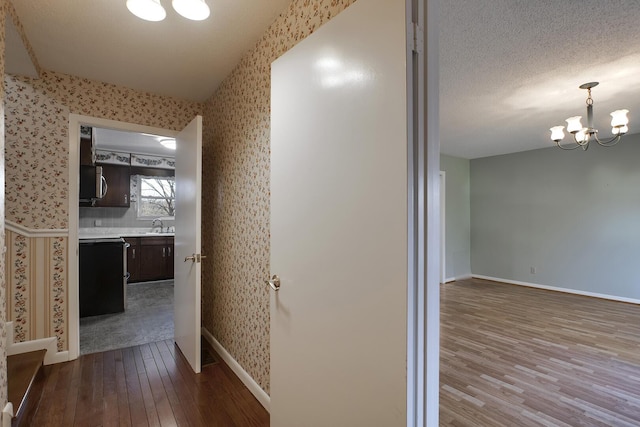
{"points": [[133, 255], [150, 258]]}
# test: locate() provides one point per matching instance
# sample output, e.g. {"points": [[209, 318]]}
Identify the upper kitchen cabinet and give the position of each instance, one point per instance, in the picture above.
{"points": [[118, 186], [87, 146]]}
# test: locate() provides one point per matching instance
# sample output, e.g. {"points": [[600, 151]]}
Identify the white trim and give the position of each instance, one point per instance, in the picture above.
{"points": [[246, 379], [49, 344], [33, 233], [557, 289], [454, 278], [423, 292], [443, 227], [7, 415], [75, 120]]}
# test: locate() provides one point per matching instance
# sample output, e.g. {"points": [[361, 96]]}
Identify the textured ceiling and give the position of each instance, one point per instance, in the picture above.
{"points": [[509, 70], [102, 40]]}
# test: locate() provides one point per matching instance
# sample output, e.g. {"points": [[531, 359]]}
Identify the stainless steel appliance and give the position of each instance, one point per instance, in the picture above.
{"points": [[93, 186], [103, 276]]}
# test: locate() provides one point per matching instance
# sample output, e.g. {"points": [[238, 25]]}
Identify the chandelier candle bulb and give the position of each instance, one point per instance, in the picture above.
{"points": [[620, 130], [581, 135], [573, 124], [619, 118], [557, 133]]}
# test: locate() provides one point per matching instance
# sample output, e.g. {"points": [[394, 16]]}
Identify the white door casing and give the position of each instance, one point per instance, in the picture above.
{"points": [[443, 228], [339, 223], [75, 120], [187, 276]]}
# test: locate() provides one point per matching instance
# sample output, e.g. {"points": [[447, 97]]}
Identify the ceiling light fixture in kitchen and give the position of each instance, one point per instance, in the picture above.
{"points": [[581, 135], [149, 10], [152, 10], [196, 10], [169, 143]]}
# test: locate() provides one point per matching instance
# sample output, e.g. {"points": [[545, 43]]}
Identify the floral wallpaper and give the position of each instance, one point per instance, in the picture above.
{"points": [[3, 293], [36, 298], [236, 184], [18, 282], [37, 169], [37, 146]]}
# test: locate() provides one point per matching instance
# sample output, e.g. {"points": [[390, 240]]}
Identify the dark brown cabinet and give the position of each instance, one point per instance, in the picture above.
{"points": [[87, 146], [150, 258], [118, 181], [133, 255]]}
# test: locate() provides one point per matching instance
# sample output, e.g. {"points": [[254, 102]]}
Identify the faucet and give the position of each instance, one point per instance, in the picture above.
{"points": [[153, 224]]}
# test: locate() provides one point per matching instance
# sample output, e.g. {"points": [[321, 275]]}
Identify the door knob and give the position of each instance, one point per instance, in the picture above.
{"points": [[274, 282], [194, 257]]}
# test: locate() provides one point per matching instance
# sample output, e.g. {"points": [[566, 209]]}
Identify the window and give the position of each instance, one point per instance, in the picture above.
{"points": [[156, 197]]}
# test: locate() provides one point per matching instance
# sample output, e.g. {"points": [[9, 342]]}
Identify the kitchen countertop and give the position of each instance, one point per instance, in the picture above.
{"points": [[112, 233]]}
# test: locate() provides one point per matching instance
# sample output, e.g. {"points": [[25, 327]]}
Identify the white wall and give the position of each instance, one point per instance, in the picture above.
{"points": [[457, 217], [573, 215]]}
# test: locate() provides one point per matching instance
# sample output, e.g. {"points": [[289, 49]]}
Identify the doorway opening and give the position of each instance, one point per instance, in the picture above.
{"points": [[126, 234], [126, 239]]}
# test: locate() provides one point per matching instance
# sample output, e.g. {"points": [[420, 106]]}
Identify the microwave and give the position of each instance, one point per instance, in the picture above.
{"points": [[93, 186]]}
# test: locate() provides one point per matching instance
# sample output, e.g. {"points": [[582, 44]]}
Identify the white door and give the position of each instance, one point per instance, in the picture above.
{"points": [[339, 223], [186, 308]]}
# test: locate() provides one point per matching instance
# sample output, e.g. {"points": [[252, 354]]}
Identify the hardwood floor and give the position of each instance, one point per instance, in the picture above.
{"points": [[516, 356], [510, 356], [147, 385]]}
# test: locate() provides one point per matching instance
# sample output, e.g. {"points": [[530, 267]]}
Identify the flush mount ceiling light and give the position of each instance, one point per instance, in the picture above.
{"points": [[196, 10], [169, 143], [581, 135], [149, 10]]}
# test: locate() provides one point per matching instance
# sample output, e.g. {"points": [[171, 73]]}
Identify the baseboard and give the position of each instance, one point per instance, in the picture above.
{"points": [[50, 344], [462, 277], [557, 289], [246, 379], [7, 415]]}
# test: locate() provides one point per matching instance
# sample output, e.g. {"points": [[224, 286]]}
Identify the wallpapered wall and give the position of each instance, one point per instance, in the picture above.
{"points": [[3, 293], [37, 153], [236, 182], [37, 118]]}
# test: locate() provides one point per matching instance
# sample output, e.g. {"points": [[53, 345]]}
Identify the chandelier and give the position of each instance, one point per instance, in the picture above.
{"points": [[583, 135]]}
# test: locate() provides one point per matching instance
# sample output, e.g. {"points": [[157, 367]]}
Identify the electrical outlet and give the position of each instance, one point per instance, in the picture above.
{"points": [[533, 270], [97, 222]]}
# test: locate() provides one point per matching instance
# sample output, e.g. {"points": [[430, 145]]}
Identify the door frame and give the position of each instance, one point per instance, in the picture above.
{"points": [[75, 121], [443, 228], [423, 288]]}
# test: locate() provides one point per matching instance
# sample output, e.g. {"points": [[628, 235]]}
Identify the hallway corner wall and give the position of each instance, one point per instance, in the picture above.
{"points": [[236, 181]]}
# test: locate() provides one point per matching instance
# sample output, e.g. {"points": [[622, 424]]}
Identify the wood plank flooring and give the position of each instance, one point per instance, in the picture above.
{"points": [[516, 356], [146, 385], [510, 356]]}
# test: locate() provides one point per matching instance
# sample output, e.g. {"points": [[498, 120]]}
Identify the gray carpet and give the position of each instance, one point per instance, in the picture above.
{"points": [[148, 318]]}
